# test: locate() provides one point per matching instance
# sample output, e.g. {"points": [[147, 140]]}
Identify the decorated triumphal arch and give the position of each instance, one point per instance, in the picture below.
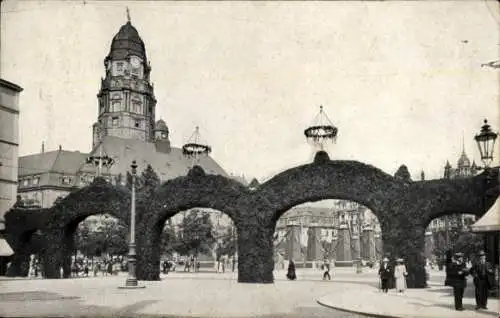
{"points": [[403, 207]]}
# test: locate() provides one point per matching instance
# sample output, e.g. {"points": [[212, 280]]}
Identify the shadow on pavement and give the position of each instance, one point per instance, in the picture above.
{"points": [[33, 296]]}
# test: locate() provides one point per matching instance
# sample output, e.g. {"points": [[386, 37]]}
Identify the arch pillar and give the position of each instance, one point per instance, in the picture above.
{"points": [[54, 255], [19, 263], [148, 252], [255, 250], [405, 238]]}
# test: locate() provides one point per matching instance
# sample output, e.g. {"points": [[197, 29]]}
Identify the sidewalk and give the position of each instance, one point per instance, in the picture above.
{"points": [[436, 301]]}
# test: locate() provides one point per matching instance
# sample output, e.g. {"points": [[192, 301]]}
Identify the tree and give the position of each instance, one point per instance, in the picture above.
{"points": [[109, 236], [58, 200], [228, 243], [145, 186], [196, 236], [168, 240]]}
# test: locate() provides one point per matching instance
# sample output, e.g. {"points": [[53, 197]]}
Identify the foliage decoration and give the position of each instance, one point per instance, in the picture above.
{"points": [[404, 209]]}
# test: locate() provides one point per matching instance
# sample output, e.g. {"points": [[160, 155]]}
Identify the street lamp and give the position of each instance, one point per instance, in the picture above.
{"points": [[131, 282], [486, 143]]}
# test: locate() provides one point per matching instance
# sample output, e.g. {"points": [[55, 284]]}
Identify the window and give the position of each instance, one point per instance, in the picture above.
{"points": [[137, 123], [115, 106], [36, 180], [66, 180], [115, 121], [26, 182], [119, 67]]}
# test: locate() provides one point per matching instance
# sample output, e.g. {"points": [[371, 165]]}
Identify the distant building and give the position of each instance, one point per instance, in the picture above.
{"points": [[125, 130], [438, 234], [464, 169], [344, 231]]}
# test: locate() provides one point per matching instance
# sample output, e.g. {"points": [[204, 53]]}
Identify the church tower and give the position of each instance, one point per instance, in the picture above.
{"points": [[126, 101]]}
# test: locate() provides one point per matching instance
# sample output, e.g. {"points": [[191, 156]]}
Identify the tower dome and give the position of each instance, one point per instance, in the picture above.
{"points": [[160, 125], [127, 42], [161, 131]]}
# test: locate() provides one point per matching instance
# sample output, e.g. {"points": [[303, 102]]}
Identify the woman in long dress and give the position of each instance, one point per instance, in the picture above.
{"points": [[400, 275], [291, 271]]}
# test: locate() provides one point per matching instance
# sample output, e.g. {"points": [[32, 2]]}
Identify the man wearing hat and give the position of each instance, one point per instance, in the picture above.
{"points": [[482, 273], [457, 276], [385, 274]]}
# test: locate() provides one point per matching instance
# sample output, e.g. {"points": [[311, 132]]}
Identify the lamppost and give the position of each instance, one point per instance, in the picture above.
{"points": [[131, 282], [486, 143]]}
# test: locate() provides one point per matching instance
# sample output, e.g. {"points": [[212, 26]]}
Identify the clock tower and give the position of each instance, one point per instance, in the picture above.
{"points": [[126, 101]]}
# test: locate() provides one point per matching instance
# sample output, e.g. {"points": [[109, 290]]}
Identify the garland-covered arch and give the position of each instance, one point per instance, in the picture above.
{"points": [[196, 190], [58, 223], [21, 225], [403, 207]]}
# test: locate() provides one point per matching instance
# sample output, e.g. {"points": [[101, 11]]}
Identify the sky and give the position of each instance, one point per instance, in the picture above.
{"points": [[402, 81]]}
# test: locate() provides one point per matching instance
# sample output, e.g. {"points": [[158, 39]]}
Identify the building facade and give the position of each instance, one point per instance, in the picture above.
{"points": [[344, 232], [9, 144]]}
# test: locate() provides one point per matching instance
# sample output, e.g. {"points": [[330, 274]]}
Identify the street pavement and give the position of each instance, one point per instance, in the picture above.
{"points": [[179, 294], [182, 294]]}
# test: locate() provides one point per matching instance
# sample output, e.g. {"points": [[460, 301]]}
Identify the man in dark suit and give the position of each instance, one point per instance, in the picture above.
{"points": [[457, 278], [385, 273], [482, 273]]}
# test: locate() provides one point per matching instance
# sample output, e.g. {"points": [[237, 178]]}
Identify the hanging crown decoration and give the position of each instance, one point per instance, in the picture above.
{"points": [[194, 148], [101, 159], [321, 131]]}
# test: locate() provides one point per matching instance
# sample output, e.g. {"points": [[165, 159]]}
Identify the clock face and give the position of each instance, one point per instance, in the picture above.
{"points": [[135, 62]]}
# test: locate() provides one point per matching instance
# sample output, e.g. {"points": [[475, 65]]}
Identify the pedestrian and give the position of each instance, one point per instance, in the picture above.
{"points": [[458, 279], [291, 271], [326, 268], [482, 272], [385, 274], [400, 274], [223, 262], [86, 269]]}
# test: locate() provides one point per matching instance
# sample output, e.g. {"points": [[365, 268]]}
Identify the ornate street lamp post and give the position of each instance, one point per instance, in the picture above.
{"points": [[486, 143], [131, 282]]}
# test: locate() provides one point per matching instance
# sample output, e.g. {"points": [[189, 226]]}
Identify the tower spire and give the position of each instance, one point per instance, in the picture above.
{"points": [[128, 15], [463, 142]]}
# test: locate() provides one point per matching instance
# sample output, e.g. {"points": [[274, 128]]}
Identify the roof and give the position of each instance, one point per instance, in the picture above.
{"points": [[62, 161], [167, 165], [490, 221], [127, 42], [12, 86], [160, 125]]}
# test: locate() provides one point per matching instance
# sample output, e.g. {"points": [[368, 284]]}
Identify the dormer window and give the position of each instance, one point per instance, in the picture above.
{"points": [[26, 182], [66, 180], [35, 180]]}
